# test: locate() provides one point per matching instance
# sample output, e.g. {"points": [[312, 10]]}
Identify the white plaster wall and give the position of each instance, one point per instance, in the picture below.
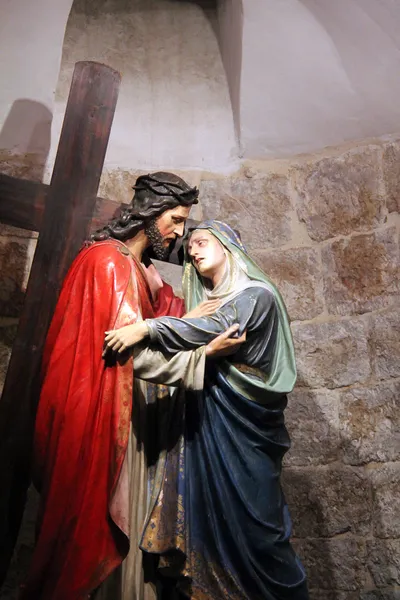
{"points": [[318, 73], [31, 37], [174, 107]]}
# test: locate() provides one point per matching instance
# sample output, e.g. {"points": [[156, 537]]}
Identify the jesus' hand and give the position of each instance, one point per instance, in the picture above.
{"points": [[225, 344], [119, 340]]}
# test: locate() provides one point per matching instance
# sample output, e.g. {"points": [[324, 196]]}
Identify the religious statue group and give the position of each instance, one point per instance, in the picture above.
{"points": [[160, 430]]}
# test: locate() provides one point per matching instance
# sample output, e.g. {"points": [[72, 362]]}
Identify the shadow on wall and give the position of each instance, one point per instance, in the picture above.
{"points": [[337, 505], [315, 554], [209, 7], [25, 140], [302, 491], [24, 147]]}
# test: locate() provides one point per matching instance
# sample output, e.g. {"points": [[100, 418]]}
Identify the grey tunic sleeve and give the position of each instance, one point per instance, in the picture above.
{"points": [[249, 309], [183, 369]]}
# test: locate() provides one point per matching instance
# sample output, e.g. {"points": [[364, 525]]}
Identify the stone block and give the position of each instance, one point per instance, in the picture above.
{"points": [[318, 594], [340, 195], [312, 418], [333, 564], [16, 255], [258, 207], [7, 335], [388, 594], [297, 274], [370, 423], [384, 562], [384, 343], [385, 481], [391, 173], [333, 354], [9, 230], [361, 273], [30, 165], [328, 501], [116, 184]]}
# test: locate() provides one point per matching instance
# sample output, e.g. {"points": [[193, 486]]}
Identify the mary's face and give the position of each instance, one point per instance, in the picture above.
{"points": [[207, 253]]}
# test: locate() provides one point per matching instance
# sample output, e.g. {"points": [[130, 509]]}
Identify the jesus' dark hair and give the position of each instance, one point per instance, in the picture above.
{"points": [[154, 194]]}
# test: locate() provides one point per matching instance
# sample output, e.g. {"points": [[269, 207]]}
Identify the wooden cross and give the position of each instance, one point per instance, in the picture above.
{"points": [[62, 212]]}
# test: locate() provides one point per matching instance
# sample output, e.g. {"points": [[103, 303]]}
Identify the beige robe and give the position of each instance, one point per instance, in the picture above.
{"points": [[132, 499]]}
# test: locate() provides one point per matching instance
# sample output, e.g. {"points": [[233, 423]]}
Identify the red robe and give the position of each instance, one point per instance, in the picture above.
{"points": [[83, 421]]}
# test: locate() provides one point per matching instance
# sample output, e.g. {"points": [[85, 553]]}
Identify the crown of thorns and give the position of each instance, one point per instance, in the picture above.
{"points": [[161, 187]]}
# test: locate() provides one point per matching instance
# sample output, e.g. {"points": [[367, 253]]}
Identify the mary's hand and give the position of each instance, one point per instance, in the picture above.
{"points": [[204, 309], [121, 339]]}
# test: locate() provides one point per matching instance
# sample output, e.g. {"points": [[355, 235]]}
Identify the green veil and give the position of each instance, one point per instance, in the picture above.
{"points": [[282, 375]]}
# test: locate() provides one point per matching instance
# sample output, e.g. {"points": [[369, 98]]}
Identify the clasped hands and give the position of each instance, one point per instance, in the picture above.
{"points": [[119, 340]]}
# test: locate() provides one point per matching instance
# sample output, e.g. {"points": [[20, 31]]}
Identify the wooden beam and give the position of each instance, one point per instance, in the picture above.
{"points": [[67, 214], [22, 204]]}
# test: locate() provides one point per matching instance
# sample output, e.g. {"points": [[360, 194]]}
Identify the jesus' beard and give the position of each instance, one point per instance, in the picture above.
{"points": [[156, 240]]}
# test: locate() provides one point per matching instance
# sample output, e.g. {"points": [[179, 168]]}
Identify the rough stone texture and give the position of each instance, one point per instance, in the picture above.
{"points": [[391, 171], [259, 207], [297, 274], [386, 500], [361, 273], [370, 423], [16, 256], [384, 342], [326, 502], [340, 195], [312, 418], [29, 165], [331, 354], [9, 230], [7, 335], [116, 184], [333, 564], [384, 562], [332, 595], [389, 594]]}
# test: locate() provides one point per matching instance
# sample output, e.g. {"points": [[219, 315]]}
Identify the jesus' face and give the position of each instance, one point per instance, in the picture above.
{"points": [[166, 228], [207, 254]]}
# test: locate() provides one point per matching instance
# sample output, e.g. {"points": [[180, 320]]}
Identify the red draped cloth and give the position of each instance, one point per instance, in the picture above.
{"points": [[83, 421]]}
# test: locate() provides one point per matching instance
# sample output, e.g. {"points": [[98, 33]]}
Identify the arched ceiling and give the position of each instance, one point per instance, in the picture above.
{"points": [[302, 74], [313, 73]]}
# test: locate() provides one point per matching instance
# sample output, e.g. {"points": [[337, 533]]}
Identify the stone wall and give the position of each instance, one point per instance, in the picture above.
{"points": [[326, 229]]}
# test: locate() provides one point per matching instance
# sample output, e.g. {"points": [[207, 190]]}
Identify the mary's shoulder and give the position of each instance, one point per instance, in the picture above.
{"points": [[260, 292]]}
